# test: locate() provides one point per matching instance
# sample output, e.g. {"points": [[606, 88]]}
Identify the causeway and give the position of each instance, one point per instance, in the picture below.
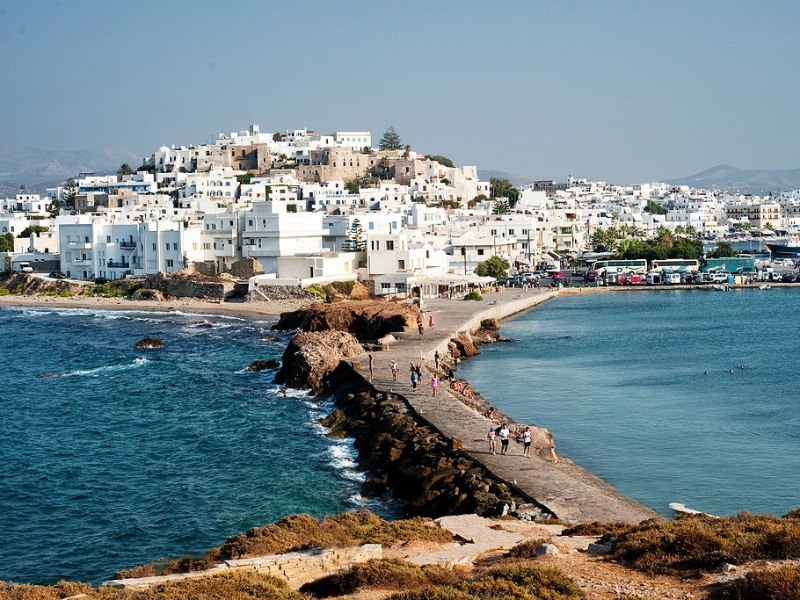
{"points": [[570, 492]]}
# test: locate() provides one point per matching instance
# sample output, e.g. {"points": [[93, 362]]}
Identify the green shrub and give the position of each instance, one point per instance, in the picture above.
{"points": [[473, 296], [4, 291]]}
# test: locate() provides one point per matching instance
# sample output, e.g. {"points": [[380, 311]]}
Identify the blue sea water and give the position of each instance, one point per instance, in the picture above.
{"points": [[112, 457], [645, 389]]}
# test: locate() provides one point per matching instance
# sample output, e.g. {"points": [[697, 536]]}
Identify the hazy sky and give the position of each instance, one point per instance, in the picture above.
{"points": [[622, 91]]}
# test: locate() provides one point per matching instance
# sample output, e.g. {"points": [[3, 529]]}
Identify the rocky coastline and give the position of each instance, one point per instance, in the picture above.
{"points": [[403, 453]]}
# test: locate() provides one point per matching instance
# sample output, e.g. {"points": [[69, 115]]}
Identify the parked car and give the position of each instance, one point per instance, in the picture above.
{"points": [[57, 275], [25, 267], [100, 280]]}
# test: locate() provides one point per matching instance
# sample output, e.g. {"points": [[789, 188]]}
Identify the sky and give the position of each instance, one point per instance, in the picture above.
{"points": [[624, 91]]}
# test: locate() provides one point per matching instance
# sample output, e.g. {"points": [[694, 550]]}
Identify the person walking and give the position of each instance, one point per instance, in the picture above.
{"points": [[430, 322], [371, 367], [504, 436], [434, 384], [393, 367], [492, 437], [436, 359], [526, 442], [421, 330], [414, 379]]}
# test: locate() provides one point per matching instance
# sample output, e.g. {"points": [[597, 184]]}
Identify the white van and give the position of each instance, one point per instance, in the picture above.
{"points": [[25, 267], [672, 278]]}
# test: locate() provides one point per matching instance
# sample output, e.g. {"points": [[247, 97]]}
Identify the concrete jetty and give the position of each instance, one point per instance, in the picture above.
{"points": [[566, 489]]}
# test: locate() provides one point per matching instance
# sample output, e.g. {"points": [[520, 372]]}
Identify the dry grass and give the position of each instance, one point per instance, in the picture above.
{"points": [[779, 584], [301, 532], [698, 542]]}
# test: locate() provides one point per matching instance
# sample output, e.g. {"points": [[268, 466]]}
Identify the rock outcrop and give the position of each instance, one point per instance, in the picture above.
{"points": [[461, 347], [311, 357], [149, 343], [263, 365], [364, 320]]}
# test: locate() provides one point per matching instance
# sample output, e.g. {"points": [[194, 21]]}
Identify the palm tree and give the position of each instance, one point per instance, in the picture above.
{"points": [[124, 169]]}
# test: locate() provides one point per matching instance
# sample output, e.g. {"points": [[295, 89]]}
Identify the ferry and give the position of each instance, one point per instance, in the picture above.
{"points": [[790, 249]]}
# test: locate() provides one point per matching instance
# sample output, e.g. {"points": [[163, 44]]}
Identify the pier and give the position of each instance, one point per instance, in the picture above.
{"points": [[570, 492]]}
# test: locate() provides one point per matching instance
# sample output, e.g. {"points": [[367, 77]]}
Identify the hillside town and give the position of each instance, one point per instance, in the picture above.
{"points": [[313, 208]]}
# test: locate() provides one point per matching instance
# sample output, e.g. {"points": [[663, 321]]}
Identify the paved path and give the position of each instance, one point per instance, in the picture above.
{"points": [[569, 491]]}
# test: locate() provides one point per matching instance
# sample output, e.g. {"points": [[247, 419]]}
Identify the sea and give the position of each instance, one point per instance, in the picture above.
{"points": [[688, 396], [112, 457]]}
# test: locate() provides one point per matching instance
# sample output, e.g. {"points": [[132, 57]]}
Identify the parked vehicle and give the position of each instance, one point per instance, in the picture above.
{"points": [[25, 267], [100, 280], [674, 278], [591, 275], [635, 279], [57, 275]]}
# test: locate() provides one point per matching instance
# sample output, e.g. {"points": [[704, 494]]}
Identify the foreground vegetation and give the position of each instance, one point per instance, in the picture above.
{"points": [[687, 548]]}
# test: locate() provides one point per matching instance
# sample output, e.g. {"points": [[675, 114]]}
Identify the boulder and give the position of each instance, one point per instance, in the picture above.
{"points": [[246, 268], [542, 444], [311, 357], [365, 320], [149, 343], [461, 347], [263, 365]]}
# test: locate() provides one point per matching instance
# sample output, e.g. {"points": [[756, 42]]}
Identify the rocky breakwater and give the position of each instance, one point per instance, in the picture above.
{"points": [[419, 465]]}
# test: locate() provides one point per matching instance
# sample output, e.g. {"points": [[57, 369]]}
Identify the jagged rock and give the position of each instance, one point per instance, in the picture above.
{"points": [[149, 343], [263, 365], [598, 548], [462, 346], [365, 320], [148, 294], [311, 357], [359, 292], [530, 512]]}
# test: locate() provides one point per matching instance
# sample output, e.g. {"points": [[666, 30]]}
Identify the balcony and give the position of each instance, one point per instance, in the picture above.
{"points": [[79, 245], [128, 245], [118, 265]]}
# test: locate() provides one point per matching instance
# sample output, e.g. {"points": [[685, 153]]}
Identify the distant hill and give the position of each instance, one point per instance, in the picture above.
{"points": [[40, 169], [731, 179], [517, 181]]}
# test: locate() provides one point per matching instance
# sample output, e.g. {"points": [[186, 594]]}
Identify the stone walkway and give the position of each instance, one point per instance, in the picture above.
{"points": [[567, 490]]}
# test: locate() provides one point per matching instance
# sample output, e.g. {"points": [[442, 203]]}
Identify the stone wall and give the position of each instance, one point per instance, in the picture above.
{"points": [[297, 568]]}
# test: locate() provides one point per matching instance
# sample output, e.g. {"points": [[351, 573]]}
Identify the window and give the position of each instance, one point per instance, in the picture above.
{"points": [[510, 232], [390, 245], [167, 245], [169, 263], [206, 246], [108, 239], [480, 251], [154, 247], [401, 265]]}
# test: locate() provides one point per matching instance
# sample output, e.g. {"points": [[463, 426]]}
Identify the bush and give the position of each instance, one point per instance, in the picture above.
{"points": [[4, 291], [778, 584], [526, 549], [693, 542], [473, 296], [384, 573]]}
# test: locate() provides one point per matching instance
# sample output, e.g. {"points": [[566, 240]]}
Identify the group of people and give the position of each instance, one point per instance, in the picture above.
{"points": [[504, 433], [462, 387]]}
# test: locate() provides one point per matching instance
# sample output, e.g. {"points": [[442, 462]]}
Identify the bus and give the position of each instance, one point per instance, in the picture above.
{"points": [[608, 267], [675, 265]]}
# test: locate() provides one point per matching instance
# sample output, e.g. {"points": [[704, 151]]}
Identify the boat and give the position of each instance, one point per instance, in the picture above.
{"points": [[791, 248], [720, 287]]}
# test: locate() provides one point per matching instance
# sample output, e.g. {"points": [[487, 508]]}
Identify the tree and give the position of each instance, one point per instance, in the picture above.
{"points": [[442, 160], [654, 208], [54, 208], [723, 250], [352, 186], [7, 242], [124, 169], [26, 233], [501, 207], [367, 150], [502, 188], [493, 267], [70, 191], [390, 140], [355, 241]]}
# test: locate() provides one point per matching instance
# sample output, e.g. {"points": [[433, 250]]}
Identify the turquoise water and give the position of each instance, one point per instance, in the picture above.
{"points": [[112, 457], [645, 389]]}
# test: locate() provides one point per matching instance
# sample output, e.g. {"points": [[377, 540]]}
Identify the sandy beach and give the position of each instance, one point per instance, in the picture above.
{"points": [[248, 310]]}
